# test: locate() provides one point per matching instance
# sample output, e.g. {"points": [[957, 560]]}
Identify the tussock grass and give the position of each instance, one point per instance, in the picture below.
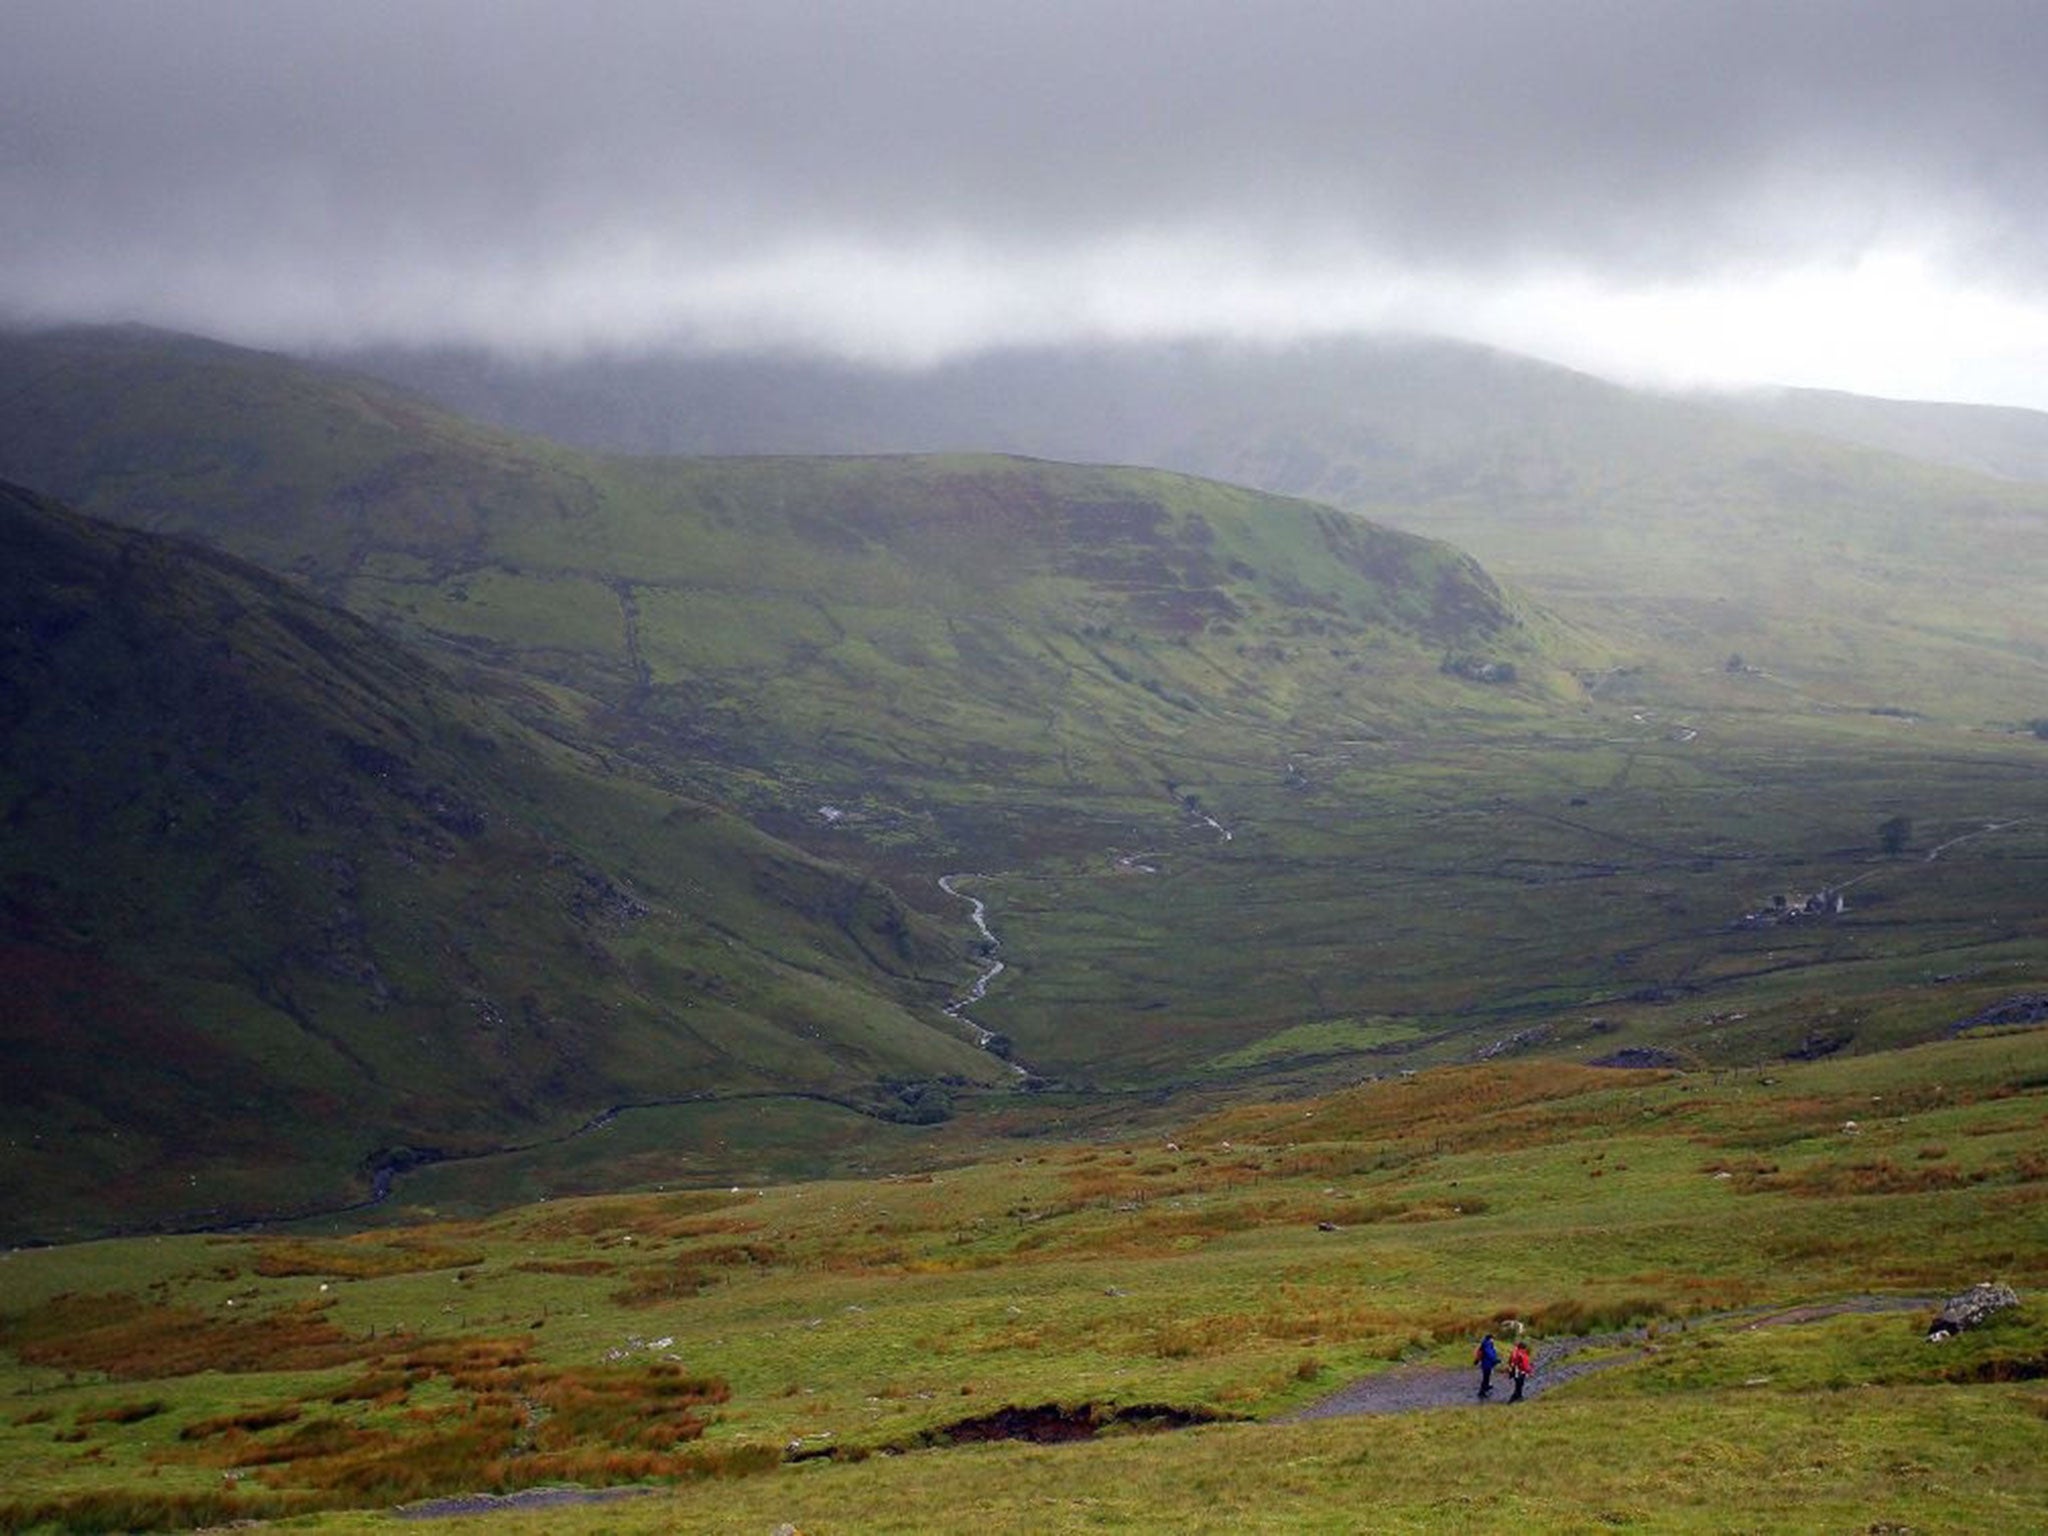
{"points": [[251, 1421], [127, 1337], [144, 1510], [122, 1413], [363, 1257]]}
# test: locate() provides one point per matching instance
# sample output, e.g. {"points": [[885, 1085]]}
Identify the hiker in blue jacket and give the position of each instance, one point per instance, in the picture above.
{"points": [[1486, 1357]]}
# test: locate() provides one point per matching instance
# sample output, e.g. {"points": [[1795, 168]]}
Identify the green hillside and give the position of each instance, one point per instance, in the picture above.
{"points": [[849, 622], [1843, 548], [1727, 1278], [282, 903], [1256, 794]]}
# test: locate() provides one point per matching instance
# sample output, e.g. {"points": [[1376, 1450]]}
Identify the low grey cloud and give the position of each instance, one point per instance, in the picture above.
{"points": [[905, 178]]}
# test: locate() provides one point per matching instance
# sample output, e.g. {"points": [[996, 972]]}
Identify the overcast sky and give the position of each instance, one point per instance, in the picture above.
{"points": [[1843, 194]]}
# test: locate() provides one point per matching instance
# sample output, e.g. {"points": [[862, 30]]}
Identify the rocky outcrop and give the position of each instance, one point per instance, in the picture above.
{"points": [[1970, 1308]]}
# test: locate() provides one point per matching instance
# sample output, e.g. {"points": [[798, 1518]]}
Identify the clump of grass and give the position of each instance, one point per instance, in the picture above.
{"points": [[442, 1452], [578, 1267], [647, 1410], [316, 1438], [248, 1422], [1577, 1315], [1865, 1176], [470, 1365], [136, 1509], [1699, 1292], [655, 1284], [1185, 1338], [123, 1413], [675, 1215], [382, 1387]]}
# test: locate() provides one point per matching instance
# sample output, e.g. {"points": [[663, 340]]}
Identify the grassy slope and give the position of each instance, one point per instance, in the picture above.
{"points": [[1687, 529], [1245, 1263], [2003, 441], [1077, 681], [1858, 576], [776, 615], [321, 903], [1416, 864]]}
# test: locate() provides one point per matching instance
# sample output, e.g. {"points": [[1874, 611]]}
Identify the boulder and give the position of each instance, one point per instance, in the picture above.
{"points": [[1969, 1308]]}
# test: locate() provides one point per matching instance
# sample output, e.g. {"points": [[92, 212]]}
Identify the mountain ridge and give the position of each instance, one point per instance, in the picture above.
{"points": [[431, 524], [1854, 567]]}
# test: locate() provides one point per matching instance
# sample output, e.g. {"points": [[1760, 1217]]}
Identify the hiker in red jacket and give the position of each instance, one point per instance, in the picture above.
{"points": [[1520, 1364]]}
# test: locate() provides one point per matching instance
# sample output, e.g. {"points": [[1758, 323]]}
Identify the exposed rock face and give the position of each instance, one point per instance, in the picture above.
{"points": [[1970, 1308]]}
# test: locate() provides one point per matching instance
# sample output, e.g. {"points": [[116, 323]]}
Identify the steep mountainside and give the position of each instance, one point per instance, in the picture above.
{"points": [[277, 902]]}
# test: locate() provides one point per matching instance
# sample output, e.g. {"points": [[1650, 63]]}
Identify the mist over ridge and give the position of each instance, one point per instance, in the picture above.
{"points": [[1834, 195]]}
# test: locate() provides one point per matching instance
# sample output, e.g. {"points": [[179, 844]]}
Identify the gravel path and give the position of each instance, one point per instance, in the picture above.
{"points": [[530, 1498], [1409, 1389]]}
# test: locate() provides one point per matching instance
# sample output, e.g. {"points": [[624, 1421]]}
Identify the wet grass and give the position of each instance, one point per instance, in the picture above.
{"points": [[1235, 1264]]}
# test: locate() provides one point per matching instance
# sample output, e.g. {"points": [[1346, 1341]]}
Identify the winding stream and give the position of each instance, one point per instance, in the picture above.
{"points": [[991, 969]]}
